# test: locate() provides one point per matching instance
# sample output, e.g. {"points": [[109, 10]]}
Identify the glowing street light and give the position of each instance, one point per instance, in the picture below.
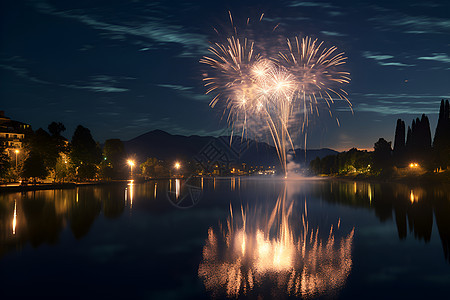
{"points": [[177, 167], [413, 165]]}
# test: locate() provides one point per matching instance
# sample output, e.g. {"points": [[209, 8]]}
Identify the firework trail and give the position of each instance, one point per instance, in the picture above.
{"points": [[276, 92]]}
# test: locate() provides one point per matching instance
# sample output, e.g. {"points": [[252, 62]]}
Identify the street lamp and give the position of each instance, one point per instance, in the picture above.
{"points": [[177, 167], [17, 152], [131, 164]]}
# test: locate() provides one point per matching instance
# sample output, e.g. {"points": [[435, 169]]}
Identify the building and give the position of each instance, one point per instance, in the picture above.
{"points": [[12, 134]]}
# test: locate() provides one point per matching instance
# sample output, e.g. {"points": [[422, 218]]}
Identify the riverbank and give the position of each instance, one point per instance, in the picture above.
{"points": [[426, 178], [54, 186]]}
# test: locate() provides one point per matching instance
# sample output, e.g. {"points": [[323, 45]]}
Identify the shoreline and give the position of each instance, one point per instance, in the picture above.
{"points": [[427, 178], [55, 186]]}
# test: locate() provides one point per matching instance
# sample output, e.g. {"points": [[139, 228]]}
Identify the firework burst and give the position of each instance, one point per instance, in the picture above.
{"points": [[277, 92]]}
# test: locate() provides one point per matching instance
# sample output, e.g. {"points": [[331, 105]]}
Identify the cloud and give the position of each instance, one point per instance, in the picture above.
{"points": [[401, 103], [381, 59], [412, 24], [101, 83], [440, 57], [333, 33], [96, 88], [175, 87], [371, 55], [23, 73], [154, 29], [395, 64], [311, 4], [394, 109], [404, 96], [186, 91]]}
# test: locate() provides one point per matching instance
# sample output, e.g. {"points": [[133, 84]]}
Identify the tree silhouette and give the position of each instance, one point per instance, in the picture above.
{"points": [[55, 128], [382, 157], [115, 155], [399, 143], [34, 166], [441, 142], [85, 152], [418, 141]]}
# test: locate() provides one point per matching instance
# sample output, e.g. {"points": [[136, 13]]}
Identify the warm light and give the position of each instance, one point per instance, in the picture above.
{"points": [[413, 165], [17, 151], [15, 217], [130, 163], [413, 197], [177, 165], [177, 188]]}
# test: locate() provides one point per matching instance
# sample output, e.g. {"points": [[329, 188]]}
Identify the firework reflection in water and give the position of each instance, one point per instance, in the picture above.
{"points": [[276, 90], [283, 253]]}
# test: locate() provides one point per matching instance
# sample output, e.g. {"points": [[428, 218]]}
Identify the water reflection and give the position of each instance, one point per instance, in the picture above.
{"points": [[39, 217], [412, 207], [277, 249]]}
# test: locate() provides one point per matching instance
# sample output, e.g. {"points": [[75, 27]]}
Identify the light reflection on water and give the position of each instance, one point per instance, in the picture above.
{"points": [[276, 248]]}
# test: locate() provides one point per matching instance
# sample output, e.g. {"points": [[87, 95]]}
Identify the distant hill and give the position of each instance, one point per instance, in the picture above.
{"points": [[300, 157], [165, 146]]}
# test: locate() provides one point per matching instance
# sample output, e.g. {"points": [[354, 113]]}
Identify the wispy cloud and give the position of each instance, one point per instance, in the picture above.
{"points": [[101, 83], [381, 59], [394, 110], [401, 103], [440, 57], [175, 87], [395, 64], [405, 96], [411, 24], [154, 29], [96, 88], [371, 55], [186, 91], [333, 33], [23, 73], [311, 4]]}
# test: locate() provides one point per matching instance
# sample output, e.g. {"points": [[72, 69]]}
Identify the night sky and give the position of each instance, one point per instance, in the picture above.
{"points": [[123, 68]]}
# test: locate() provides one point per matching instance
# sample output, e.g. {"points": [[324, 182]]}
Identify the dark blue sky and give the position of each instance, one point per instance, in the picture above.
{"points": [[122, 68]]}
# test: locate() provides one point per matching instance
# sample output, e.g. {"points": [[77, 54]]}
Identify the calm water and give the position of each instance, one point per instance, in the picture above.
{"points": [[256, 238]]}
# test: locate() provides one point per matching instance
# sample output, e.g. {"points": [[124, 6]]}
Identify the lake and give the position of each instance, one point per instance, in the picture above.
{"points": [[254, 237]]}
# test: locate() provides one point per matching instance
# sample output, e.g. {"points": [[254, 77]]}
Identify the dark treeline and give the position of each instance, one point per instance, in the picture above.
{"points": [[414, 148]]}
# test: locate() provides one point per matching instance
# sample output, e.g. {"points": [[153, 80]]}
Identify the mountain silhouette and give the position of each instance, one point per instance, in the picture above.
{"points": [[169, 147]]}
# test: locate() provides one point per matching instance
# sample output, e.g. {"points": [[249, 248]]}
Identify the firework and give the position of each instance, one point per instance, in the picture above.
{"points": [[276, 92]]}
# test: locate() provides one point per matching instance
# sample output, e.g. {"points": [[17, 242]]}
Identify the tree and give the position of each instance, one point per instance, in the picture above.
{"points": [[441, 142], [85, 151], [5, 161], [148, 167], [382, 156], [55, 128], [155, 168], [34, 166], [115, 156], [399, 143]]}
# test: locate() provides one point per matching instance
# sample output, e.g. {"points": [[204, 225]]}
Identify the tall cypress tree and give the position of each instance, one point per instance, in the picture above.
{"points": [[441, 143], [399, 143]]}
